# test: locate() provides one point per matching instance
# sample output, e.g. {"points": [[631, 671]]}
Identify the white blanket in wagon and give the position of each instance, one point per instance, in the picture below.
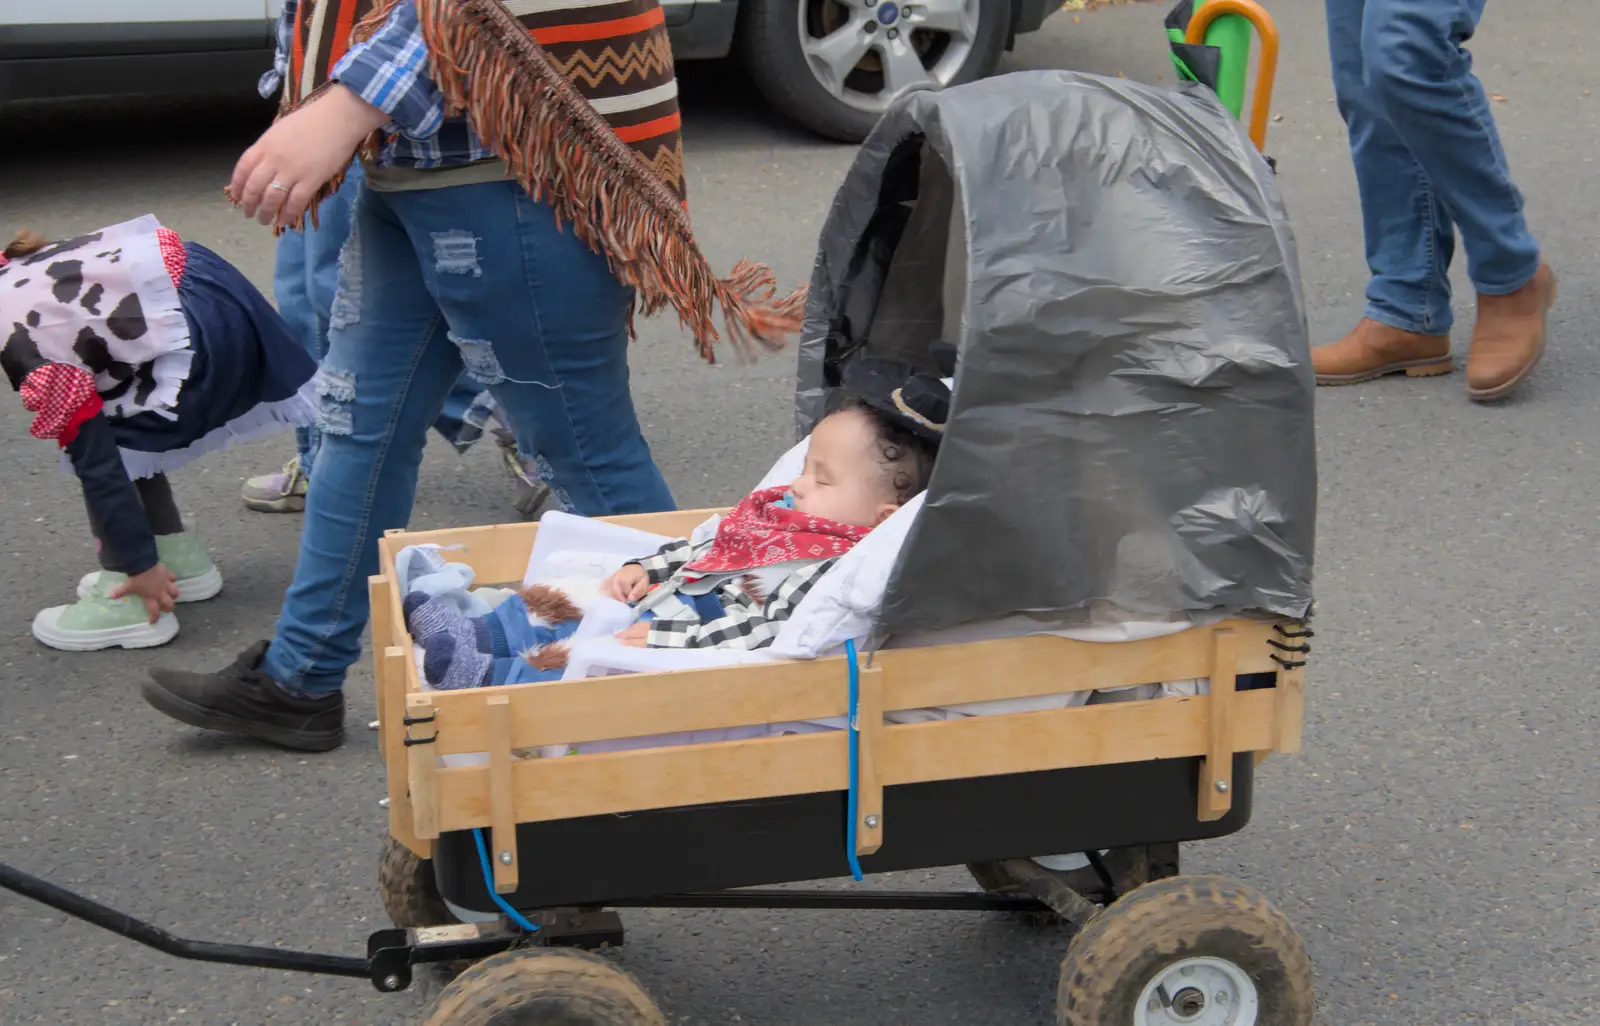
{"points": [[576, 554]]}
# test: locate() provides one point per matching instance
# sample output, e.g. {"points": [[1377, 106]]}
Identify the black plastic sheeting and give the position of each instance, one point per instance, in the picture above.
{"points": [[1131, 434], [1202, 62]]}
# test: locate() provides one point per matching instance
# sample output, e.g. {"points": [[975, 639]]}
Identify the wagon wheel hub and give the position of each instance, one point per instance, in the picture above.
{"points": [[1199, 992], [1188, 1002]]}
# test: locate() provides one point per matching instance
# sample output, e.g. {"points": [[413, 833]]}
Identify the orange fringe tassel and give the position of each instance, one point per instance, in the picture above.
{"points": [[558, 148]]}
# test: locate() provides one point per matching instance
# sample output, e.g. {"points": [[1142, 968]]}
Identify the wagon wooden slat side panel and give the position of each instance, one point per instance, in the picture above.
{"points": [[1212, 727], [737, 771]]}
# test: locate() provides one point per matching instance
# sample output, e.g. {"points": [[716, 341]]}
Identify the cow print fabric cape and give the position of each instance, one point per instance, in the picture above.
{"points": [[104, 302], [182, 353]]}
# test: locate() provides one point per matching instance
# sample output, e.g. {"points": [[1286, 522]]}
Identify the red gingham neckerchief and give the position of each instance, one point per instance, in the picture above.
{"points": [[63, 397]]}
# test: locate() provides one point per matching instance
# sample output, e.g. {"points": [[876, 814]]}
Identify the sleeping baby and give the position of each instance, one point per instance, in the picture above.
{"points": [[735, 590], [865, 460]]}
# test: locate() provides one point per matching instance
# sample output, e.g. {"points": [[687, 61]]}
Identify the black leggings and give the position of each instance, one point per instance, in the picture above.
{"points": [[160, 509]]}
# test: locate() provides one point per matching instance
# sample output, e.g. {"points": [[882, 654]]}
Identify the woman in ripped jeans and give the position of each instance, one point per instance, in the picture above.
{"points": [[449, 264], [305, 281]]}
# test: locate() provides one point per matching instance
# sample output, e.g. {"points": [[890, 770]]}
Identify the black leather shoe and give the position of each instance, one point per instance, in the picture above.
{"points": [[244, 700]]}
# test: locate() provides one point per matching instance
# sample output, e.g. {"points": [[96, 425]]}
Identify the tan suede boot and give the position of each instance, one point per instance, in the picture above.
{"points": [[1510, 337], [1374, 349]]}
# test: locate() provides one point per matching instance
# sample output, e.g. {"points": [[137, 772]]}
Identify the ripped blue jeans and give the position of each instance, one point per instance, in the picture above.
{"points": [[474, 276], [305, 281]]}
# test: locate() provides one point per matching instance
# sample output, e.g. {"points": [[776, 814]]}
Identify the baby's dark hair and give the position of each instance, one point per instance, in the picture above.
{"points": [[27, 241], [907, 457]]}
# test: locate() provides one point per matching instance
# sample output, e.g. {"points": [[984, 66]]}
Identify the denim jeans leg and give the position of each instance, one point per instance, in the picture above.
{"points": [[289, 288], [1420, 73], [323, 244], [540, 319], [1409, 236], [389, 364]]}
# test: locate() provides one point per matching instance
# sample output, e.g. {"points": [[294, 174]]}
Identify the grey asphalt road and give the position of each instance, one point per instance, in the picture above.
{"points": [[1435, 841]]}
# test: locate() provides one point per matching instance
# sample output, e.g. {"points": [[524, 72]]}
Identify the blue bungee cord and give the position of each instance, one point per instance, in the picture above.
{"points": [[853, 810], [488, 881]]}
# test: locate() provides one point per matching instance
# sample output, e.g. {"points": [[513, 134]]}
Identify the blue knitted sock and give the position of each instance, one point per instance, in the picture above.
{"points": [[451, 659], [427, 616]]}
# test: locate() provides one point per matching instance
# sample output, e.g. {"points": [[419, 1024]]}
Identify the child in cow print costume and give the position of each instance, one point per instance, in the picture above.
{"points": [[137, 352]]}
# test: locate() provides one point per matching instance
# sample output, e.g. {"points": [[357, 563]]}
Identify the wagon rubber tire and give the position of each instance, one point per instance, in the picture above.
{"points": [[410, 893], [545, 987], [1130, 944], [769, 47]]}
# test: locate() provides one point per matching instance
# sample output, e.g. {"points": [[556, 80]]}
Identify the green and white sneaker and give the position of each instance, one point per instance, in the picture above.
{"points": [[184, 554], [99, 621], [283, 492]]}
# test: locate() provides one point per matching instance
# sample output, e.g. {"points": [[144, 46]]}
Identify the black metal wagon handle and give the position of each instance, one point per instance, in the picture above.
{"points": [[124, 925], [391, 954]]}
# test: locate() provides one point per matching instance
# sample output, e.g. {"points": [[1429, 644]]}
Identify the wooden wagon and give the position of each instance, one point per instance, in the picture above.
{"points": [[563, 841]]}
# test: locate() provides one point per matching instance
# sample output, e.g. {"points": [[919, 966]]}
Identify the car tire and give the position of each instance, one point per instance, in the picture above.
{"points": [[954, 41]]}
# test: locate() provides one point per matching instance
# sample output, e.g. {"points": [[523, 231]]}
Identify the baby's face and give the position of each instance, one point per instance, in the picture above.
{"points": [[844, 480]]}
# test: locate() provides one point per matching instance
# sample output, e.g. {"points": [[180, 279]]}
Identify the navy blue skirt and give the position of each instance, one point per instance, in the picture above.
{"points": [[249, 376]]}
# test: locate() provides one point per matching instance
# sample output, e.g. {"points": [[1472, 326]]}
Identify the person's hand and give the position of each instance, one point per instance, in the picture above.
{"points": [[278, 177], [630, 584], [156, 586], [635, 636]]}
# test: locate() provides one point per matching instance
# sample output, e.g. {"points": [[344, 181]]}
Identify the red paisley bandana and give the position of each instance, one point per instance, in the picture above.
{"points": [[758, 532]]}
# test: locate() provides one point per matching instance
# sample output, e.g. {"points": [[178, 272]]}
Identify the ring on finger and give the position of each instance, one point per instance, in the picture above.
{"points": [[278, 185]]}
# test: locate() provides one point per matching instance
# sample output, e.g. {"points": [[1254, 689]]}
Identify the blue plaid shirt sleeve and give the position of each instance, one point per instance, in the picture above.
{"points": [[390, 71], [272, 81]]}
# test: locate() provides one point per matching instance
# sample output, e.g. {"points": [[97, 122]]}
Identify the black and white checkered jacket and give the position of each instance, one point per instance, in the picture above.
{"points": [[751, 616]]}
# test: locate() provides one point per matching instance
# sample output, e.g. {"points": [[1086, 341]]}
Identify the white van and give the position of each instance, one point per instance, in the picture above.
{"points": [[832, 65]]}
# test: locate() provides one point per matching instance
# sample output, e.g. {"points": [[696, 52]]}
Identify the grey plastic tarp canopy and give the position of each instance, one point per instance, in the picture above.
{"points": [[1131, 431]]}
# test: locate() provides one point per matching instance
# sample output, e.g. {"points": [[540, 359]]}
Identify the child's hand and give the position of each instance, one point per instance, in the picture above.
{"points": [[630, 584], [156, 586], [277, 178], [635, 636]]}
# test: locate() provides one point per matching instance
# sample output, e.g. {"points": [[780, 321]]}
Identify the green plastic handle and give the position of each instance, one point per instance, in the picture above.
{"points": [[1231, 35]]}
